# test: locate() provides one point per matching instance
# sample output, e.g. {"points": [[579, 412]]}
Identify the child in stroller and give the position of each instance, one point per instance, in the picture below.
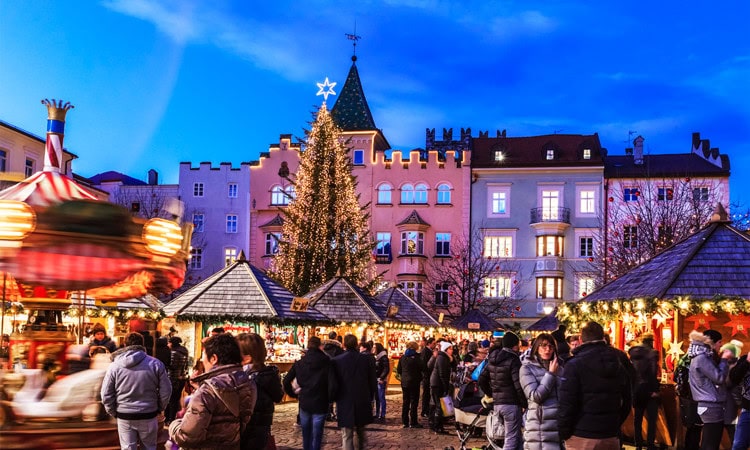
{"points": [[471, 416]]}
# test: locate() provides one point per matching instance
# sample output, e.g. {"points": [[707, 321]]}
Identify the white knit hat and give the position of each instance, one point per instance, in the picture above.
{"points": [[445, 345]]}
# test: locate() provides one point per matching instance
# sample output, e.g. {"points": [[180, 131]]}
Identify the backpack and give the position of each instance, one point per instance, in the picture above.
{"points": [[682, 377]]}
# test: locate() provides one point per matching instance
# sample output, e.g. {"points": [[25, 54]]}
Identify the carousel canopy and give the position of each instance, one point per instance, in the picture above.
{"points": [[715, 261], [239, 290], [474, 320], [343, 301], [407, 310]]}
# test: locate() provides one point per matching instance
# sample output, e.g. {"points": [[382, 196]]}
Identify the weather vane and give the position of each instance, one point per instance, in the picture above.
{"points": [[325, 89], [353, 37]]}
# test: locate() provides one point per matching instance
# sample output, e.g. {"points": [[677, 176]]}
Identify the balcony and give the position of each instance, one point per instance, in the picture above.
{"points": [[556, 215], [549, 266]]}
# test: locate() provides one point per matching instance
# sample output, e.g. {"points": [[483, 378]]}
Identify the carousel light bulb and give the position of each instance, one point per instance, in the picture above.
{"points": [[17, 220], [163, 237]]}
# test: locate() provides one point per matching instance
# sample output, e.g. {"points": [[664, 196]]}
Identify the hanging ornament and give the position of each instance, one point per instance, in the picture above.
{"points": [[739, 323], [702, 320]]}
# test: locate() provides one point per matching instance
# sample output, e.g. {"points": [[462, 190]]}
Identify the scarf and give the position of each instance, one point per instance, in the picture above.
{"points": [[696, 348]]}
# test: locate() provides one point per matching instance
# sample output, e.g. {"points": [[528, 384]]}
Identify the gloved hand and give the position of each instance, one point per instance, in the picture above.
{"points": [[487, 401]]}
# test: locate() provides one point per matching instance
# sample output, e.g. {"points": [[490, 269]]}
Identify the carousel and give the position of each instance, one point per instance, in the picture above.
{"points": [[57, 238]]}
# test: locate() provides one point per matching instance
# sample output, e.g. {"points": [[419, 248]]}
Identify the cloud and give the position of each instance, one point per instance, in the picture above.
{"points": [[176, 19]]}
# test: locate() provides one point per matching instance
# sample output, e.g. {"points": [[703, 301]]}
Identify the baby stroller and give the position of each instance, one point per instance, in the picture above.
{"points": [[471, 416]]}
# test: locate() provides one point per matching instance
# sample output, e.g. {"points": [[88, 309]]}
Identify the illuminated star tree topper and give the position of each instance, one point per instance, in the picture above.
{"points": [[325, 89]]}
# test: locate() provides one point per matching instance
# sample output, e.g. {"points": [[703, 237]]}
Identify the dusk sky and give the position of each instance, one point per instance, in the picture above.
{"points": [[155, 83]]}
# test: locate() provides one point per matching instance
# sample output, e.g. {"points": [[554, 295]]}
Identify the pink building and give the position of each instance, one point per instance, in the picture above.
{"points": [[418, 201]]}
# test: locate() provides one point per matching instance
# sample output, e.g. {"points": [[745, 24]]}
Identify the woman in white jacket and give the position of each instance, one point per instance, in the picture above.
{"points": [[539, 377]]}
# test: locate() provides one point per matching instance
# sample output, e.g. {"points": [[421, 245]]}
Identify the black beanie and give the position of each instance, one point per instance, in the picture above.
{"points": [[714, 335], [510, 340]]}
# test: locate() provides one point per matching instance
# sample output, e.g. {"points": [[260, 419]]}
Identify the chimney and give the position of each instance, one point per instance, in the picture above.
{"points": [[56, 111], [153, 177], [629, 151], [638, 150]]}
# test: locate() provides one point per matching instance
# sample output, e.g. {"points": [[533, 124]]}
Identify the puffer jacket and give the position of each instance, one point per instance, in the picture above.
{"points": [[135, 386], [501, 378], [594, 392], [410, 368], [218, 411], [178, 363], [707, 379], [268, 384], [382, 366], [540, 387], [440, 375]]}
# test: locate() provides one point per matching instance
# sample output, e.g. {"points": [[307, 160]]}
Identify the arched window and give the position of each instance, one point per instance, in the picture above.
{"points": [[291, 194], [407, 193], [277, 196], [420, 193], [443, 194], [384, 194]]}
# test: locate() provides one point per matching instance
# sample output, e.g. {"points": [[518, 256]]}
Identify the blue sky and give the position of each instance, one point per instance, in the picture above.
{"points": [[159, 82]]}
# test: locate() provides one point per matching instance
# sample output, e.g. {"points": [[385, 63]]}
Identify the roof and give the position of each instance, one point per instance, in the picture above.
{"points": [[413, 219], [713, 261], [275, 222], [546, 323], [46, 188], [665, 165], [343, 301], [409, 311], [239, 289], [112, 175], [531, 151], [31, 135], [351, 111], [474, 316]]}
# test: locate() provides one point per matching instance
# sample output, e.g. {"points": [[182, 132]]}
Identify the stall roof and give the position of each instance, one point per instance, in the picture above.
{"points": [[239, 289], [474, 316], [409, 311], [343, 301], [713, 261], [546, 323]]}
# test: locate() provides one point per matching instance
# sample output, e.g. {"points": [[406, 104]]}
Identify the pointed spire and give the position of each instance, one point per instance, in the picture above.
{"points": [[351, 111], [241, 256]]}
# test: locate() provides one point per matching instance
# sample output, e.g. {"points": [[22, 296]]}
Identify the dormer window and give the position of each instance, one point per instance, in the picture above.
{"points": [[586, 153], [550, 154], [499, 156]]}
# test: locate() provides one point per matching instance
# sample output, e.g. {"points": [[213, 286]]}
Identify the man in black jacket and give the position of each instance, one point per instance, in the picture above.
{"points": [[425, 355], [501, 378], [178, 365], [594, 394], [355, 373], [332, 347], [645, 360], [316, 386]]}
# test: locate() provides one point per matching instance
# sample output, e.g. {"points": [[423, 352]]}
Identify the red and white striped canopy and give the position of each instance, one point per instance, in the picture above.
{"points": [[46, 188]]}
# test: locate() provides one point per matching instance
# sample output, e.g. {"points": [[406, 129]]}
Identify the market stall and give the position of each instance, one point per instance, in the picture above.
{"points": [[474, 326], [406, 320], [699, 283]]}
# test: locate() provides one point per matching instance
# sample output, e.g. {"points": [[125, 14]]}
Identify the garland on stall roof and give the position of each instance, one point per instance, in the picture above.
{"points": [[624, 309], [230, 318], [104, 312]]}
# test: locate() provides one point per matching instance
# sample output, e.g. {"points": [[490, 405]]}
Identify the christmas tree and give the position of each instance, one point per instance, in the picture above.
{"points": [[325, 231]]}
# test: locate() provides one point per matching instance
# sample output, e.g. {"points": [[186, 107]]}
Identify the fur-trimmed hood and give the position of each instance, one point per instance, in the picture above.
{"points": [[698, 337]]}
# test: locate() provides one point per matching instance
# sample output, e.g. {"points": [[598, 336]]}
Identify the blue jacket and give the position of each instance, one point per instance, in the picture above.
{"points": [[136, 386]]}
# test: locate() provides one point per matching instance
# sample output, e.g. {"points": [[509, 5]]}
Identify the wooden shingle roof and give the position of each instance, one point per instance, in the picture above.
{"points": [[715, 261], [486, 323], [409, 311], [342, 301], [239, 290]]}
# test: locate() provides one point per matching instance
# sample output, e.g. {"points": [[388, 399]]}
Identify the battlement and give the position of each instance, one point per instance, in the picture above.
{"points": [[207, 166], [702, 148], [464, 143], [285, 144], [423, 159]]}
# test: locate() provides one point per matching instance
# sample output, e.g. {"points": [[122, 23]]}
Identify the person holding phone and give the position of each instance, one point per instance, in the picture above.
{"points": [[538, 375]]}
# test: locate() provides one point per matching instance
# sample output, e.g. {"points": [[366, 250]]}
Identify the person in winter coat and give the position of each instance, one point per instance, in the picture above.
{"points": [[501, 379], [357, 386], [223, 404], [316, 386], [645, 361], [563, 349], [163, 353], [410, 369], [333, 348], [428, 345], [439, 368], [707, 383], [539, 377], [739, 375], [178, 365], [382, 370], [135, 390], [268, 383], [594, 394], [471, 352], [100, 339]]}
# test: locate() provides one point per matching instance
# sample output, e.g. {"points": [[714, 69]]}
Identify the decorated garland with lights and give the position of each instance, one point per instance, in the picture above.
{"points": [[102, 312]]}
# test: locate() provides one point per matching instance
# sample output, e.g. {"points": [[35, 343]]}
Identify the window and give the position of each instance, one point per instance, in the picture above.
{"points": [[198, 221], [443, 194], [586, 153], [412, 243], [441, 294], [420, 193], [587, 199], [281, 196], [585, 286], [549, 287], [196, 258], [291, 194], [497, 287], [499, 204], [230, 255], [197, 189], [665, 194], [407, 193], [550, 205], [549, 246], [586, 244], [550, 154], [383, 248], [272, 243], [232, 190], [630, 236], [3, 161], [499, 156], [443, 241], [498, 246], [231, 223], [359, 157], [30, 169], [413, 289], [631, 194], [699, 194], [384, 194]]}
